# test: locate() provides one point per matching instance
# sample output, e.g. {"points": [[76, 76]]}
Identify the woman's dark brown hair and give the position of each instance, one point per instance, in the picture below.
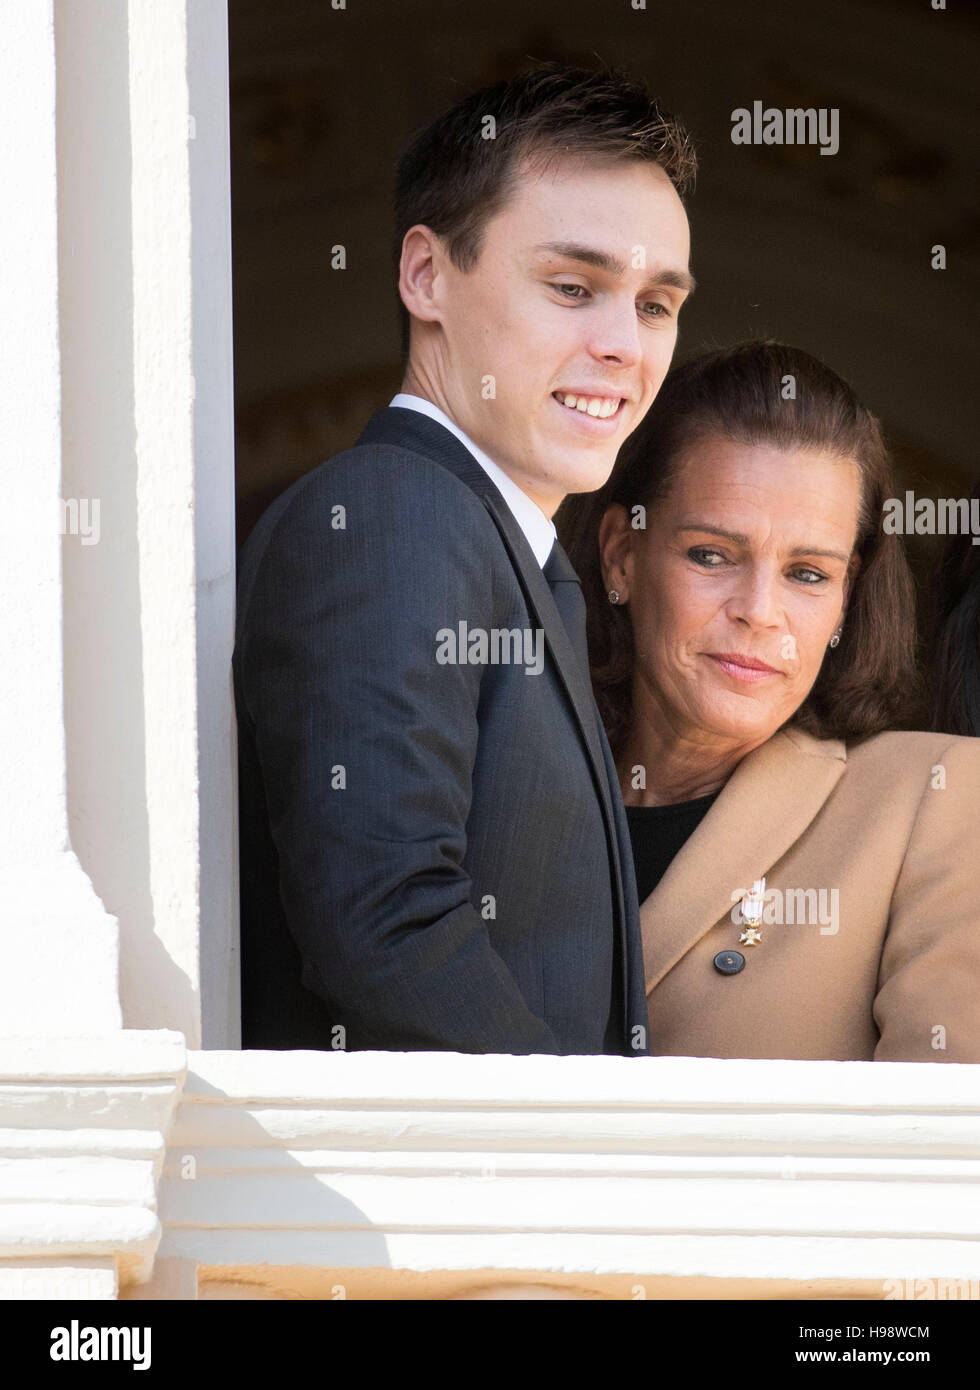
{"points": [[763, 393], [955, 663]]}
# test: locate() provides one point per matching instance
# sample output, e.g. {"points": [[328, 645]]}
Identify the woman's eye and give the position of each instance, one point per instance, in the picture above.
{"points": [[703, 555], [658, 310], [815, 576]]}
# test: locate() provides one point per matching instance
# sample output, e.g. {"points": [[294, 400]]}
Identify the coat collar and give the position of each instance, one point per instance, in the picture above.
{"points": [[764, 807]]}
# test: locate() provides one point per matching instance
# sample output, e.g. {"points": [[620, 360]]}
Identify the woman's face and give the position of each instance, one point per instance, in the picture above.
{"points": [[745, 561]]}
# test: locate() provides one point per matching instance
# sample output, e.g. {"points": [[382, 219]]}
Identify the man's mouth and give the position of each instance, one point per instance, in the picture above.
{"points": [[599, 407]]}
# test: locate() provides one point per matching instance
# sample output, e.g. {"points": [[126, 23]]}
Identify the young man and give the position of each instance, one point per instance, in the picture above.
{"points": [[434, 851]]}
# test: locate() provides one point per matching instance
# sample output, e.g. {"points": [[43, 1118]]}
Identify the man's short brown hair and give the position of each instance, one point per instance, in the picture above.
{"points": [[457, 173]]}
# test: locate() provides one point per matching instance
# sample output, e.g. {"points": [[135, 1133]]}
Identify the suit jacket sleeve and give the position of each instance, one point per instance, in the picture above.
{"points": [[929, 981], [367, 747]]}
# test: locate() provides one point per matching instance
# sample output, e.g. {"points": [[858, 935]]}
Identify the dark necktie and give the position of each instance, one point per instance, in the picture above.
{"points": [[569, 600]]}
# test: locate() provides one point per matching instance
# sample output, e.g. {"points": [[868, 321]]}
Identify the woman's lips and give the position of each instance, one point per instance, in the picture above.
{"points": [[732, 666]]}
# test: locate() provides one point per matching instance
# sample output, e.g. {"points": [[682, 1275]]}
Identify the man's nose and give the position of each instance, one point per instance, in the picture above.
{"points": [[616, 335]]}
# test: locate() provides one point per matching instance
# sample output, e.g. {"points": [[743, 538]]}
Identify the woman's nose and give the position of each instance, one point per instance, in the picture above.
{"points": [[755, 599]]}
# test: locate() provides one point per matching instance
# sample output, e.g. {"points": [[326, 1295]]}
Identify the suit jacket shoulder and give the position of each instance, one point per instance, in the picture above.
{"points": [[375, 485]]}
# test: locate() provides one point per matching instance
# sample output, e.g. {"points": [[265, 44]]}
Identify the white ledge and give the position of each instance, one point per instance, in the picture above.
{"points": [[303, 1172], [600, 1082], [156, 1053], [83, 1124], [661, 1168]]}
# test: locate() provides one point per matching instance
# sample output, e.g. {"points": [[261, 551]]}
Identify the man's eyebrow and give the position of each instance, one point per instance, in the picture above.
{"points": [[741, 539], [602, 260]]}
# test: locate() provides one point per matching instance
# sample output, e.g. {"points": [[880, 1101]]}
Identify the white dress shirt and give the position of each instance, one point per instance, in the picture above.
{"points": [[539, 529]]}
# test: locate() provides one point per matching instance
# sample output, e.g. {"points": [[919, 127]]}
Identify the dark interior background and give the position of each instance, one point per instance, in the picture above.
{"points": [[831, 253]]}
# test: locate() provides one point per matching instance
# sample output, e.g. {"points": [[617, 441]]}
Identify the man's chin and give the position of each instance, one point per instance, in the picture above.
{"points": [[591, 474]]}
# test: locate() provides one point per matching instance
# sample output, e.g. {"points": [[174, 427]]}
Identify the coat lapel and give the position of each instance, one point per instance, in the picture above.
{"points": [[764, 807]]}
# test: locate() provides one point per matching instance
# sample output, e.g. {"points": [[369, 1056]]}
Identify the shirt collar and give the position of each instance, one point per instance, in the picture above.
{"points": [[539, 530]]}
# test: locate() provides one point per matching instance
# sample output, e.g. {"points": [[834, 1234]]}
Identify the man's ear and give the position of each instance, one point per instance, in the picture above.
{"points": [[616, 550], [419, 273]]}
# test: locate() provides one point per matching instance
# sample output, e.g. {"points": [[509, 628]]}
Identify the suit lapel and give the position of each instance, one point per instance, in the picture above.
{"points": [[542, 606], [764, 807], [410, 429]]}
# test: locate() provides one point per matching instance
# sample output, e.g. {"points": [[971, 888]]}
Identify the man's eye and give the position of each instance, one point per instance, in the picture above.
{"points": [[658, 310], [577, 290]]}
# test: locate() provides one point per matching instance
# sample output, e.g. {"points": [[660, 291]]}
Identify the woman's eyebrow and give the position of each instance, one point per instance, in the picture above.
{"points": [[735, 536], [740, 539]]}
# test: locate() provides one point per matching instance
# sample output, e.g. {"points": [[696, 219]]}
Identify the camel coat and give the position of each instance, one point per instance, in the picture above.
{"points": [[893, 972]]}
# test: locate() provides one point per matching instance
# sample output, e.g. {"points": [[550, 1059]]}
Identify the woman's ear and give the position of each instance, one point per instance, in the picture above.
{"points": [[616, 550]]}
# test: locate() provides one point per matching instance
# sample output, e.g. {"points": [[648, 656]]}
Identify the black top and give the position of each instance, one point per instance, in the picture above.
{"points": [[657, 833]]}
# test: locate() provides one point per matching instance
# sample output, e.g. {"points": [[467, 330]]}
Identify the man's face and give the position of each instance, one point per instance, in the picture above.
{"points": [[549, 352]]}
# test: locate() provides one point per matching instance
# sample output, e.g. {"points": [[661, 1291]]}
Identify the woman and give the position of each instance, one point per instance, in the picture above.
{"points": [[752, 641]]}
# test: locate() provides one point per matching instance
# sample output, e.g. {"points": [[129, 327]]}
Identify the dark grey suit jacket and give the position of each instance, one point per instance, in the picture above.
{"points": [[433, 856]]}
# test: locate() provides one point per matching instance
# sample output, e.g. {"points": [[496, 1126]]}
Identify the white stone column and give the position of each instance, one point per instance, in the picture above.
{"points": [[117, 527], [58, 944], [145, 305]]}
